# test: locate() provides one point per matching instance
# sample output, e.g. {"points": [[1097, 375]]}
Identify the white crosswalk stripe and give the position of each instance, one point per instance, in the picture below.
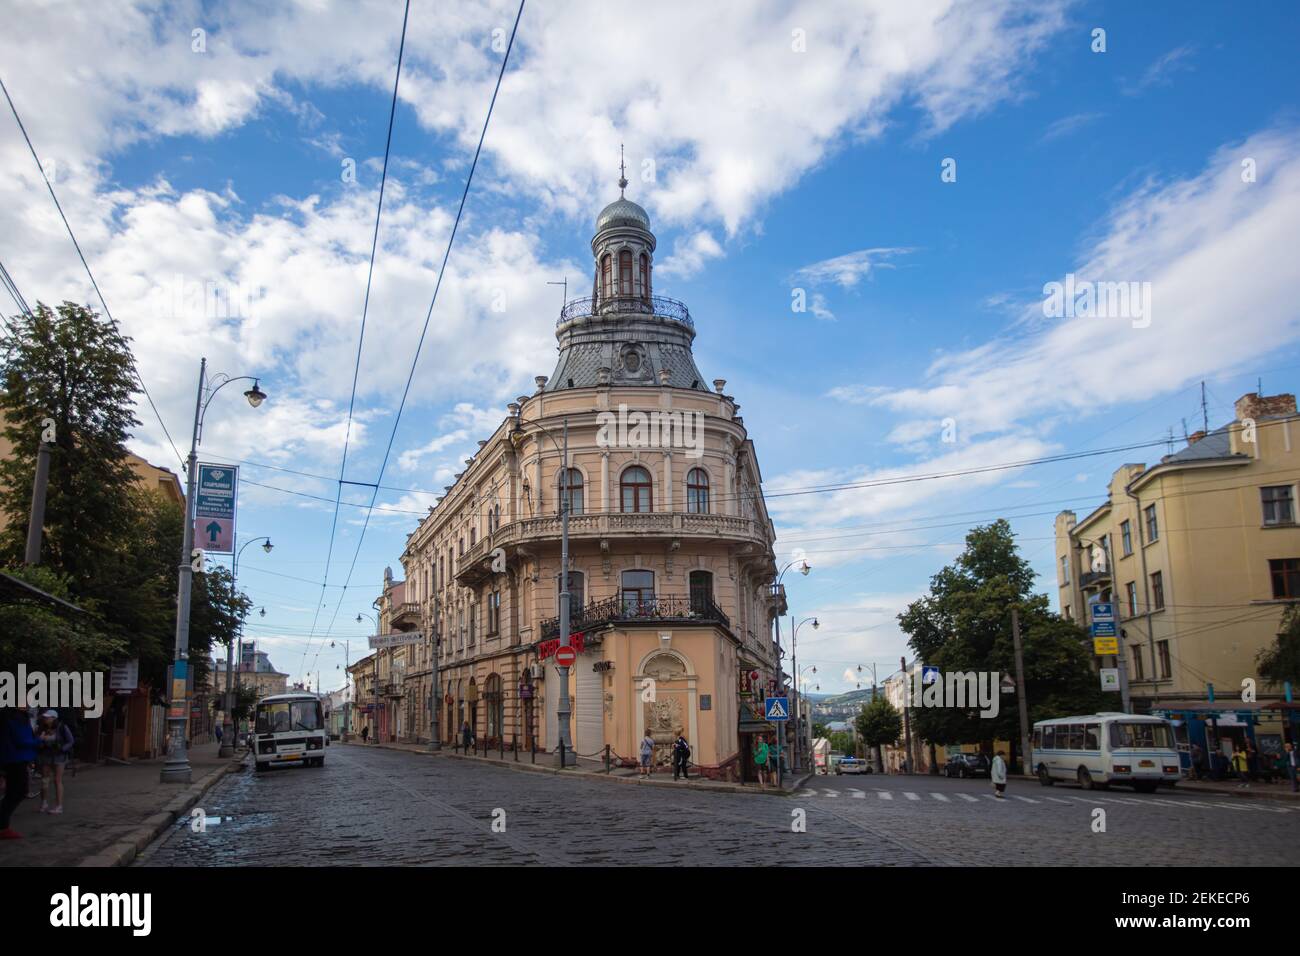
{"points": [[910, 795], [1091, 799], [1057, 800], [939, 796], [856, 794], [886, 795], [968, 798], [832, 793], [1026, 799]]}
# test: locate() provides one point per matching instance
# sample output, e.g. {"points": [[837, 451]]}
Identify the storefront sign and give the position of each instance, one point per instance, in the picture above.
{"points": [[548, 648], [124, 676], [395, 639], [1110, 678], [1101, 646]]}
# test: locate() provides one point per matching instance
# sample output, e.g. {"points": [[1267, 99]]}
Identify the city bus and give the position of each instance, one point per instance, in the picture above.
{"points": [[289, 729], [1096, 750]]}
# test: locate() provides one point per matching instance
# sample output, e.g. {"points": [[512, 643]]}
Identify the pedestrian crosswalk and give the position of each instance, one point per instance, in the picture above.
{"points": [[951, 797]]}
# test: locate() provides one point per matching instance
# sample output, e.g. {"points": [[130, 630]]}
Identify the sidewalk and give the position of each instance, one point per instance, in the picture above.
{"points": [[595, 770], [1223, 788], [110, 812]]}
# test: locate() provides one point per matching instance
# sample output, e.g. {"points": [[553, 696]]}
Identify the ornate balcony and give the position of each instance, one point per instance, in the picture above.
{"points": [[659, 306], [406, 616], [660, 608]]}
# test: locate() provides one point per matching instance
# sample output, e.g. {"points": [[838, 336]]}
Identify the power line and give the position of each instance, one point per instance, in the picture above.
{"points": [[451, 239], [71, 235], [365, 308]]}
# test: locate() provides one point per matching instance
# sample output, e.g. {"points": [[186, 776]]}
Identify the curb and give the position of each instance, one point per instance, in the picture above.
{"points": [[588, 775], [128, 847]]}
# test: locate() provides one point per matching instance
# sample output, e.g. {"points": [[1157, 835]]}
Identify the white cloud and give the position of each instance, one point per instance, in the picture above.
{"points": [[689, 255], [849, 269], [1069, 124]]}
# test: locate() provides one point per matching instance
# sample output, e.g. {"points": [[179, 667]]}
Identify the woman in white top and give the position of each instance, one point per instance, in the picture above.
{"points": [[999, 775]]}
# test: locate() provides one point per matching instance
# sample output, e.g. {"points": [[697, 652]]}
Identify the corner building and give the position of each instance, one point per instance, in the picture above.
{"points": [[671, 561]]}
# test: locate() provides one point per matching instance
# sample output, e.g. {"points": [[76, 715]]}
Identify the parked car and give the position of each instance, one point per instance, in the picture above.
{"points": [[968, 765], [852, 765]]}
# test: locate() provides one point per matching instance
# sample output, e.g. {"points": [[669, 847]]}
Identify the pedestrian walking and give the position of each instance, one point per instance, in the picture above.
{"points": [[1292, 769], [466, 736], [647, 753], [1239, 768], [54, 745], [681, 756], [998, 773], [17, 754], [760, 759], [1198, 758], [220, 734], [365, 734]]}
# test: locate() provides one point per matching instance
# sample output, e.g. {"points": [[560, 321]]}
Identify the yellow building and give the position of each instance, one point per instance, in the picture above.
{"points": [[671, 563], [1200, 554]]}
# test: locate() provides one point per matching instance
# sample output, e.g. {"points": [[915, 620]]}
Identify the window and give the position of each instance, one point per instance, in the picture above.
{"points": [[625, 273], [473, 623], [1126, 535], [1138, 673], [1153, 528], [1286, 577], [606, 277], [576, 595], [636, 489], [1092, 736], [638, 592], [1145, 735], [1158, 591], [1069, 613], [494, 612], [494, 703], [1277, 505], [571, 491], [1074, 738], [1049, 737], [1065, 569], [697, 491], [473, 536], [645, 276], [460, 628], [1038, 738], [1132, 590], [701, 583], [442, 572], [1162, 655], [461, 547]]}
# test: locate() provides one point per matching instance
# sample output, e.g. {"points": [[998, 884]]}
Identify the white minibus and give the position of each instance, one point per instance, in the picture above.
{"points": [[1101, 749], [290, 729]]}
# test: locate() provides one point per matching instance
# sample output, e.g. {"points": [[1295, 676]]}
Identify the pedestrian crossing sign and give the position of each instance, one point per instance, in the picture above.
{"points": [[777, 708]]}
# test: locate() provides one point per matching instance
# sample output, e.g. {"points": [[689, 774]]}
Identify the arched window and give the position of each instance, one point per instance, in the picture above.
{"points": [[606, 277], [645, 276], [571, 491], [697, 491], [636, 489], [625, 273], [638, 592], [701, 583], [473, 536], [495, 705]]}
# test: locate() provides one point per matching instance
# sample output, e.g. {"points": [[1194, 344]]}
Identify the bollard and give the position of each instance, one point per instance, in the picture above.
{"points": [[561, 754], [501, 746], [514, 746], [606, 758], [533, 747]]}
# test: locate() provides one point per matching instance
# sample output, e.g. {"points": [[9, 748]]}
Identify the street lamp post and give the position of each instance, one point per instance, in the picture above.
{"points": [[374, 714], [227, 748], [176, 769], [435, 738], [564, 706], [794, 657], [804, 568]]}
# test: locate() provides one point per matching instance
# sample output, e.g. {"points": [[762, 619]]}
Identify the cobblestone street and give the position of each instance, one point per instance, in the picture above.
{"points": [[370, 806]]}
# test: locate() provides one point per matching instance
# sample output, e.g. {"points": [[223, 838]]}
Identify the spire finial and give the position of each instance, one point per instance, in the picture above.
{"points": [[622, 172]]}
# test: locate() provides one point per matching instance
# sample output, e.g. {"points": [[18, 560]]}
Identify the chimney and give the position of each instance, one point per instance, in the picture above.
{"points": [[1194, 437], [1257, 406]]}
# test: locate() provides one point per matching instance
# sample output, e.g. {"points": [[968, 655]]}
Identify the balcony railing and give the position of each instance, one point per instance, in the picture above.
{"points": [[618, 610], [659, 306], [1093, 578]]}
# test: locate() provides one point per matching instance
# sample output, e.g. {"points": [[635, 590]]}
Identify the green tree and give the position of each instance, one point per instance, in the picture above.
{"points": [[878, 724], [820, 729], [964, 624], [44, 637], [1280, 661], [844, 742]]}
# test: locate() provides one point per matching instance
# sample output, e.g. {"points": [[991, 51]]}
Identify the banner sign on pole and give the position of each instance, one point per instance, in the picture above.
{"points": [[1110, 678], [395, 639], [214, 508], [1101, 646]]}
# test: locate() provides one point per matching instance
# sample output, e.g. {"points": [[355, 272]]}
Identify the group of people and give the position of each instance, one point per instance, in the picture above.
{"points": [[1246, 765], [40, 741], [681, 755]]}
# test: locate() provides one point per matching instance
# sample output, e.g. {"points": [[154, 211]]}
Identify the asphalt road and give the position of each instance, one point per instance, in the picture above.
{"points": [[369, 806]]}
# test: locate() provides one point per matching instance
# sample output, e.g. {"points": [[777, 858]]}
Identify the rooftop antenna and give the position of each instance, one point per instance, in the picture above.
{"points": [[622, 172], [1205, 415], [1185, 438], [565, 283]]}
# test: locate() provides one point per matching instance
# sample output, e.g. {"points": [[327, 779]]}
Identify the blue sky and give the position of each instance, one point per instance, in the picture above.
{"points": [[774, 169]]}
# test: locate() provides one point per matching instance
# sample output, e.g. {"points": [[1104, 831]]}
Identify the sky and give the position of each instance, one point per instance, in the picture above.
{"points": [[864, 204]]}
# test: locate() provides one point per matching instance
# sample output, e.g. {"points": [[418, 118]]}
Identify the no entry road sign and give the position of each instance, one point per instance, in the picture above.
{"points": [[565, 657]]}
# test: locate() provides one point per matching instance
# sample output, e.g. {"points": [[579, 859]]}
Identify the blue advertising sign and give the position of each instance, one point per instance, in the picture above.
{"points": [[1103, 629], [1103, 612], [214, 508]]}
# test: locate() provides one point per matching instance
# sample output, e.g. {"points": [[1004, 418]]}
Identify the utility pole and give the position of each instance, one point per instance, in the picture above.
{"points": [[907, 715], [1022, 703], [562, 714], [36, 525]]}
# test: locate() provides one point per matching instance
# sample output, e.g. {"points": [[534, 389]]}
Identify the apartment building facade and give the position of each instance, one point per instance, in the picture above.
{"points": [[1200, 554]]}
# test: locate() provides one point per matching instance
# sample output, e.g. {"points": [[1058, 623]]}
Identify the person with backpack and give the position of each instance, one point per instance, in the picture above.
{"points": [[17, 753], [681, 756], [54, 745]]}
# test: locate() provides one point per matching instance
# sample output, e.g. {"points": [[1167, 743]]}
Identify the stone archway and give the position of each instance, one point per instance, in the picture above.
{"points": [[673, 706]]}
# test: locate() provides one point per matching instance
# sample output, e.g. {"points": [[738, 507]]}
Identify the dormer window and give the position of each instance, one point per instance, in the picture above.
{"points": [[645, 277], [606, 277]]}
